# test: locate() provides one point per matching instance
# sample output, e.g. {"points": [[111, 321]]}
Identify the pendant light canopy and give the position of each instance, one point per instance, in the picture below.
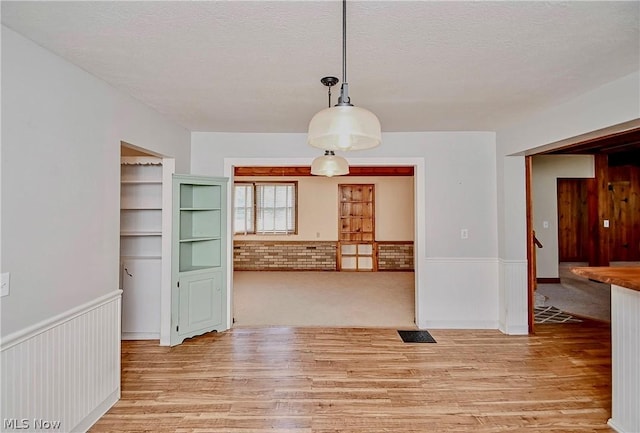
{"points": [[329, 165], [344, 127]]}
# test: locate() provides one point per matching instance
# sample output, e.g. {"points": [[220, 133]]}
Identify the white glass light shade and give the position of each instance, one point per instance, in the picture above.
{"points": [[329, 165], [344, 128]]}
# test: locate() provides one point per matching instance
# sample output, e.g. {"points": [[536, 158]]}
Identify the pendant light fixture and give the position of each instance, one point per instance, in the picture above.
{"points": [[344, 127], [329, 164]]}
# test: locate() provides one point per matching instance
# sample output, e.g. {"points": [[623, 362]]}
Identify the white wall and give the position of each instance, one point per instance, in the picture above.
{"points": [[460, 177], [614, 103], [459, 191], [546, 171], [61, 133]]}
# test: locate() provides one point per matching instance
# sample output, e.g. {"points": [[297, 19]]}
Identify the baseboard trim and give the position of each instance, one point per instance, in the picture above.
{"points": [[460, 324], [396, 270], [98, 412], [283, 270], [616, 427], [548, 280], [140, 336], [514, 330]]}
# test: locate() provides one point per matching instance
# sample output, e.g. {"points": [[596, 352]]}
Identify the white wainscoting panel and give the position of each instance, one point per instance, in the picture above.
{"points": [[459, 293], [65, 370], [625, 359], [514, 302]]}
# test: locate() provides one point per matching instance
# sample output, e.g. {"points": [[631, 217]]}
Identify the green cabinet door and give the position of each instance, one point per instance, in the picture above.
{"points": [[199, 257], [202, 303]]}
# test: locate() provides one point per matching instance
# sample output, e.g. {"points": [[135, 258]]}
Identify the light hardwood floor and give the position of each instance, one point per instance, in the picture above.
{"points": [[311, 380]]}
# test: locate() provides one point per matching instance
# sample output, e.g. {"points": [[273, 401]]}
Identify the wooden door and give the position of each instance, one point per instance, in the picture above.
{"points": [[620, 224], [573, 224], [357, 250]]}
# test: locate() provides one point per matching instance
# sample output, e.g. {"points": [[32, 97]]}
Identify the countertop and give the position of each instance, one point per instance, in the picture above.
{"points": [[624, 276]]}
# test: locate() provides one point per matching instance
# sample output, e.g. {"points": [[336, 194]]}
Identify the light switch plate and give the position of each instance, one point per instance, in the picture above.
{"points": [[5, 281], [606, 223]]}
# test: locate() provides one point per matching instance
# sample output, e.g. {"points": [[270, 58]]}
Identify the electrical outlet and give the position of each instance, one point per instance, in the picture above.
{"points": [[464, 234], [545, 224], [5, 281], [606, 224]]}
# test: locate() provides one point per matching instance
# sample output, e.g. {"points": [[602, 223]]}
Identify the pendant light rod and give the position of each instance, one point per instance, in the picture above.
{"points": [[344, 88], [344, 127], [344, 41]]}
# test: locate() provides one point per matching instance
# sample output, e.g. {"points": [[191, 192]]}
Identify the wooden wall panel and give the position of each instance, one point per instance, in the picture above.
{"points": [[573, 233], [598, 209], [624, 192], [584, 204]]}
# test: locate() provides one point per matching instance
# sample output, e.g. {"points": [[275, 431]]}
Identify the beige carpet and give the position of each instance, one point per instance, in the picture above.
{"points": [[577, 295], [330, 299]]}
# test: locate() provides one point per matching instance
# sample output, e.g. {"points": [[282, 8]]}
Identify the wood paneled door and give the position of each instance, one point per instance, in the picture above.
{"points": [[357, 250], [573, 224]]}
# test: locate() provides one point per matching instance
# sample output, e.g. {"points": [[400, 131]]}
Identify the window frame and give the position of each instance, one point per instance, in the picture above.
{"points": [[255, 185], [253, 207]]}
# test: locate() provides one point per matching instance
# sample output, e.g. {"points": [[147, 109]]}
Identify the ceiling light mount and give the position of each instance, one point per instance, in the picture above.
{"points": [[329, 81]]}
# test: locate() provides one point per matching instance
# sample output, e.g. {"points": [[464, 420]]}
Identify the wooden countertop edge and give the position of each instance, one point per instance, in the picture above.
{"points": [[624, 276]]}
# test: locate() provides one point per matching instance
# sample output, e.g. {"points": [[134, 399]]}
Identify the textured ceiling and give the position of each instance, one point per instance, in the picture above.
{"points": [[420, 66]]}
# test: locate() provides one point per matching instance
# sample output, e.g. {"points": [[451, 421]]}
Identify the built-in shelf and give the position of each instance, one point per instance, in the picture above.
{"points": [[141, 207], [356, 228], [136, 233], [141, 182], [127, 258], [198, 239], [199, 256]]}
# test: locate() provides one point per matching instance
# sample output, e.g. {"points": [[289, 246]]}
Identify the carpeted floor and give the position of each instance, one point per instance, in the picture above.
{"points": [[576, 295], [578, 301], [331, 299], [380, 299], [552, 315]]}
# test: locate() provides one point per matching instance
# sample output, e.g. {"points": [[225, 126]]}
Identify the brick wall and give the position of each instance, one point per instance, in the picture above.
{"points": [[292, 255], [395, 256], [311, 256]]}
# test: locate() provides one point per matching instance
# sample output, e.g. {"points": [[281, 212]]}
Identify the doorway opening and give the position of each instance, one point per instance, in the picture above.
{"points": [[321, 296], [583, 217], [145, 243]]}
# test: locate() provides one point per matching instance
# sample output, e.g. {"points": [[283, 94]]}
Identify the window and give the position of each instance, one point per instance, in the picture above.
{"points": [[265, 208], [243, 215]]}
